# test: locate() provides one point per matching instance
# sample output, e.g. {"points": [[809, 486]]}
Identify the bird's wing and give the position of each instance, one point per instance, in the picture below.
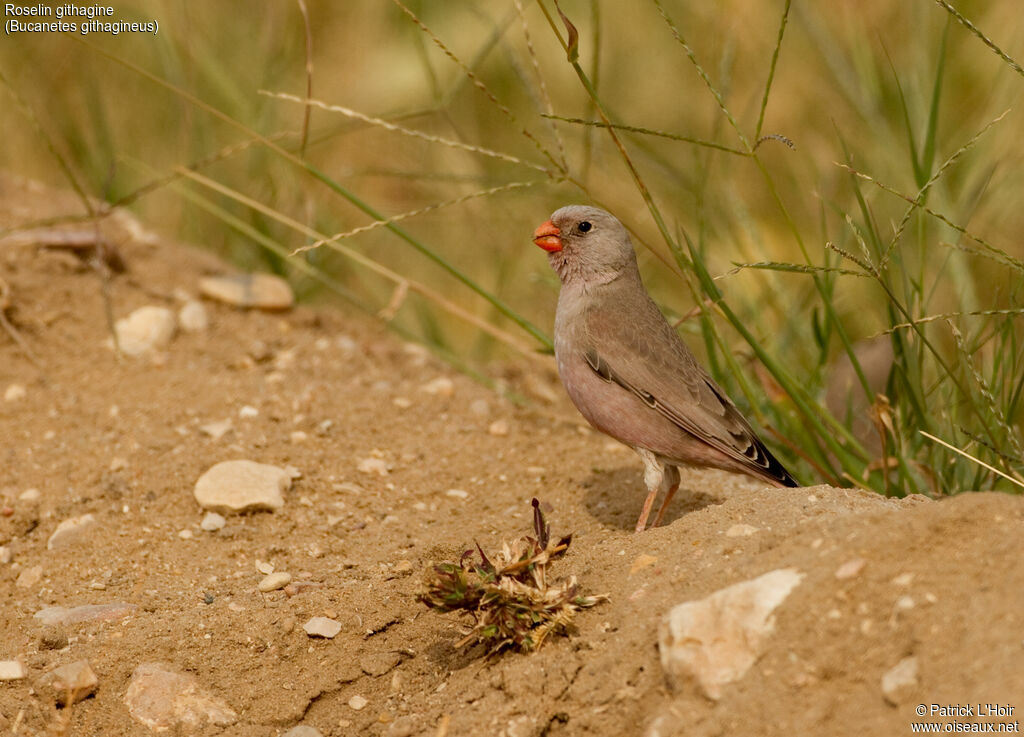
{"points": [[634, 347]]}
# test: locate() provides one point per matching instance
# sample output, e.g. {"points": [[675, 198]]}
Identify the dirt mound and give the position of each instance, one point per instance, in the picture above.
{"points": [[402, 463]]}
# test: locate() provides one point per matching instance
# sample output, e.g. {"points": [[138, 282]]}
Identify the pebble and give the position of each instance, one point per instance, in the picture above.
{"points": [[377, 664], [322, 627], [264, 291], [457, 493], [76, 680], [740, 530], [212, 522], [405, 726], [850, 568], [163, 699], [498, 428], [144, 330], [442, 386], [303, 730], [714, 641], [373, 465], [248, 411], [29, 577], [274, 581], [53, 638], [192, 317], [63, 616], [5, 555], [216, 430], [358, 702], [11, 670], [185, 534], [242, 486], [402, 402], [900, 681], [14, 392], [30, 495], [72, 531]]}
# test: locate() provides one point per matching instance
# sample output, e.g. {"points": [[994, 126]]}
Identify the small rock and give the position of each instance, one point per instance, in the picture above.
{"points": [[402, 402], [163, 699], [498, 428], [242, 486], [303, 730], [322, 627], [274, 581], [29, 577], [192, 317], [374, 465], [536, 470], [63, 616], [264, 291], [70, 683], [740, 530], [403, 566], [11, 670], [714, 641], [442, 386], [405, 726], [144, 330], [53, 638], [248, 411], [457, 494], [298, 436], [5, 555], [480, 407], [850, 568], [216, 430], [212, 522], [30, 495], [900, 681], [378, 664], [14, 392], [904, 579], [357, 702], [72, 531], [185, 534]]}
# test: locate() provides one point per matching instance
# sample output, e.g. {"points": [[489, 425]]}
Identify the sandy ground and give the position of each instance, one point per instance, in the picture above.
{"points": [[942, 581]]}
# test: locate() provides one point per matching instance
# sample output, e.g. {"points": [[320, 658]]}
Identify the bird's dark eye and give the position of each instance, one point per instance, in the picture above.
{"points": [[583, 227]]}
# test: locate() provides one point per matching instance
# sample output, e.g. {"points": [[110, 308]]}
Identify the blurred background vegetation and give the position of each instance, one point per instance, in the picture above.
{"points": [[826, 196]]}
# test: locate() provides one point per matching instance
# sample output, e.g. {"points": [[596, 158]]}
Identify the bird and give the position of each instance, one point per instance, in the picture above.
{"points": [[627, 370]]}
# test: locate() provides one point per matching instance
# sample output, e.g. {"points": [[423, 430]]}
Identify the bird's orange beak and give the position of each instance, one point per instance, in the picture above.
{"points": [[546, 236]]}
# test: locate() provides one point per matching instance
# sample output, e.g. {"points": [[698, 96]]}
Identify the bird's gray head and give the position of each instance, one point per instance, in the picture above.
{"points": [[586, 243]]}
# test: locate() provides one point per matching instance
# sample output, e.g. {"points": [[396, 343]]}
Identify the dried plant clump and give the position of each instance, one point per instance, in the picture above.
{"points": [[509, 598]]}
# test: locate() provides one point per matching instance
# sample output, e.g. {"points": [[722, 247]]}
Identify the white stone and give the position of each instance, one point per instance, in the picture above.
{"points": [[192, 317], [442, 386], [212, 522], [242, 486], [264, 291], [144, 330], [72, 531], [457, 494], [358, 702], [14, 392], [373, 465], [75, 680], [303, 730], [740, 530], [714, 641], [5, 555], [274, 581], [163, 699], [498, 428], [900, 681], [54, 616], [30, 495], [11, 670], [216, 430], [850, 568], [322, 627], [29, 577]]}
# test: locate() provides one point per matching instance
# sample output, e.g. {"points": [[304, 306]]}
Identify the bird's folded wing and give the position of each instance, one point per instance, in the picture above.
{"points": [[656, 367]]}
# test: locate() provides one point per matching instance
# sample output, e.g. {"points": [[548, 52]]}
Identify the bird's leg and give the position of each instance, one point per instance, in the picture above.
{"points": [[671, 483], [654, 474]]}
